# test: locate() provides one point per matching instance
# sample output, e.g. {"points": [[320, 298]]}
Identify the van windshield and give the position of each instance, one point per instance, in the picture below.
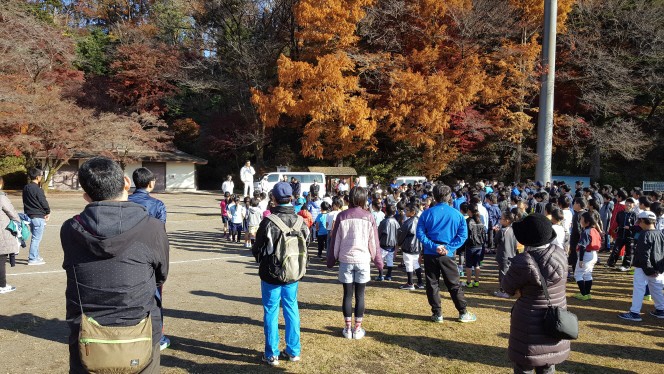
{"points": [[273, 177]]}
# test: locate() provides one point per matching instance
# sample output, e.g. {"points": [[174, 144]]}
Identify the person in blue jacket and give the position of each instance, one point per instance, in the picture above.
{"points": [[144, 180], [442, 230]]}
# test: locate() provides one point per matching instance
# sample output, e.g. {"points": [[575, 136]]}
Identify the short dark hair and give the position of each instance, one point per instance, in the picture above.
{"points": [[357, 197], [558, 215], [441, 193], [101, 178], [390, 210], [590, 220], [583, 203], [33, 173], [325, 206], [142, 177]]}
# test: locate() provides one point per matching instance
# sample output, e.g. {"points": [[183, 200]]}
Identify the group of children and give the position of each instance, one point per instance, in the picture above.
{"points": [[580, 222]]}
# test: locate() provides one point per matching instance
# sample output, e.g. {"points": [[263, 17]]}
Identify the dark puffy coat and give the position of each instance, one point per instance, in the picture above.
{"points": [[649, 253], [528, 344], [407, 238]]}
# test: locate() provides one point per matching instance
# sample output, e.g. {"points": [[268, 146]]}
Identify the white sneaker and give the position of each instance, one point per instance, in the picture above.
{"points": [[359, 333], [463, 284], [7, 289], [272, 361], [39, 261], [501, 294], [347, 333], [623, 269]]}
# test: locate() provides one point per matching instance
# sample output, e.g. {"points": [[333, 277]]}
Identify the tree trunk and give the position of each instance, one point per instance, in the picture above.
{"points": [[518, 153], [595, 164], [260, 147]]}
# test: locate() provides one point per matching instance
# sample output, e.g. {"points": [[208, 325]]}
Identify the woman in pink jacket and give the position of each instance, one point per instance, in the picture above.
{"points": [[354, 243]]}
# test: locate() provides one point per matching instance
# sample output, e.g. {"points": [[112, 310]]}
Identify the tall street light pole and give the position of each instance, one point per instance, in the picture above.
{"points": [[545, 120]]}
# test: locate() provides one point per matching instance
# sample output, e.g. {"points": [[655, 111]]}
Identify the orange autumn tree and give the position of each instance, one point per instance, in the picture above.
{"points": [[514, 71], [319, 94], [429, 78]]}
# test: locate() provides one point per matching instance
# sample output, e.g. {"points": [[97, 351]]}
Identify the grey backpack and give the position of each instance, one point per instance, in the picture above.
{"points": [[288, 261]]}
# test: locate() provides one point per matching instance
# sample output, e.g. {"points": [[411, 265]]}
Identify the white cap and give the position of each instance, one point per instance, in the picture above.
{"points": [[647, 214]]}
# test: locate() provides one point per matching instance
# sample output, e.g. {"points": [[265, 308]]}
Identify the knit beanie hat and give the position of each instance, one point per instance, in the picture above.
{"points": [[534, 231]]}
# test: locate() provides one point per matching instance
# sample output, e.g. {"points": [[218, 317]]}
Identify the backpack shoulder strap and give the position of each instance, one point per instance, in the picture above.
{"points": [[280, 224], [298, 224]]}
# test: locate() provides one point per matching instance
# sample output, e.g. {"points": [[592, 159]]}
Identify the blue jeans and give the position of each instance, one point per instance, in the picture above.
{"points": [[272, 296], [37, 226]]}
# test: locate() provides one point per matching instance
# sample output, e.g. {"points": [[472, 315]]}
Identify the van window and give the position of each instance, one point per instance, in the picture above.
{"points": [[273, 178]]}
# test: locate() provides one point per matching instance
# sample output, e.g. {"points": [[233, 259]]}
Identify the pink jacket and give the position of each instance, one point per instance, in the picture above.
{"points": [[354, 239]]}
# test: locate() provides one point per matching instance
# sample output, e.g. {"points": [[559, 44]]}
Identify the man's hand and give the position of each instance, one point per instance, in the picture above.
{"points": [[46, 217], [441, 250], [581, 264]]}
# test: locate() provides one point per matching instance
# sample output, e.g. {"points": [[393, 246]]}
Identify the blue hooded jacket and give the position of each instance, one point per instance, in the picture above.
{"points": [[441, 224], [155, 207]]}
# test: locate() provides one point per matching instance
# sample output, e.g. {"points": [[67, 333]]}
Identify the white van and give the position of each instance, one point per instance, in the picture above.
{"points": [[410, 180], [306, 179]]}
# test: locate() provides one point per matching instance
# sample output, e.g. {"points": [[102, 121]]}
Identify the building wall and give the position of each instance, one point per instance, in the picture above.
{"points": [[180, 176]]}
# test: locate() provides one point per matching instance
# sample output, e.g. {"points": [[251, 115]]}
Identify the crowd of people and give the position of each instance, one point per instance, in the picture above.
{"points": [[116, 254]]}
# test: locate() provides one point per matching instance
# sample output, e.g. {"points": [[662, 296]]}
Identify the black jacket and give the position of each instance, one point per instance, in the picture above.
{"points": [[476, 234], [649, 253], [34, 201], [121, 256], [387, 233], [625, 219], [268, 235], [407, 238]]}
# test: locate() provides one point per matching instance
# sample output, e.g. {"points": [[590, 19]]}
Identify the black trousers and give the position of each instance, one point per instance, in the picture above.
{"points": [[436, 266], [3, 270], [522, 369], [615, 252]]}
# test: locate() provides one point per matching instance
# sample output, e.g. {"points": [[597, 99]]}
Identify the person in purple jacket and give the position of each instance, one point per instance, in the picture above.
{"points": [[354, 243], [442, 230]]}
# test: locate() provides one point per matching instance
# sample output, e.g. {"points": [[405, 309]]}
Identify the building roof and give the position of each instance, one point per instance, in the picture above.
{"points": [[153, 156], [333, 170]]}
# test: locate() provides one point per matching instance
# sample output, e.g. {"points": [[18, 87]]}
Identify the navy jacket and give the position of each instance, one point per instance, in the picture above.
{"points": [[155, 207]]}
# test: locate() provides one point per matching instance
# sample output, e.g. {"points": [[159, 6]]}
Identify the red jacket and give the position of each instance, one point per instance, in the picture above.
{"points": [[614, 224]]}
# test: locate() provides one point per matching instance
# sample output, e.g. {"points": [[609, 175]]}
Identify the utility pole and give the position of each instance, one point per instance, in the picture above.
{"points": [[545, 120]]}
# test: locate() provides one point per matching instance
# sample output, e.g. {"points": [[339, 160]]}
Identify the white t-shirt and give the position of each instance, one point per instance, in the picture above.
{"points": [[560, 236], [227, 186], [568, 219], [247, 174], [342, 187], [263, 204], [331, 216]]}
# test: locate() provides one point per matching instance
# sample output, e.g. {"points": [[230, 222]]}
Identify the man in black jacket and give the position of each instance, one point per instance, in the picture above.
{"points": [[36, 207], [119, 254], [275, 292]]}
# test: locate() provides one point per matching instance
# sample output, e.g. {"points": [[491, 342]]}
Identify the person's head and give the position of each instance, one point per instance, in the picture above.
{"points": [[506, 219], [247, 201], [550, 207], [621, 195], [357, 198], [102, 179], [474, 213], [644, 203], [35, 174], [411, 210], [557, 216], [593, 205], [227, 195], [580, 204], [247, 164], [143, 178], [587, 220], [324, 207], [236, 199], [337, 203], [253, 202], [629, 204], [390, 210], [535, 230], [646, 220], [656, 207], [376, 205], [229, 177], [463, 208], [441, 193]]}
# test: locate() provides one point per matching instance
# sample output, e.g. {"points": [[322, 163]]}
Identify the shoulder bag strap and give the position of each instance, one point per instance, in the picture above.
{"points": [[78, 292], [544, 286], [298, 224]]}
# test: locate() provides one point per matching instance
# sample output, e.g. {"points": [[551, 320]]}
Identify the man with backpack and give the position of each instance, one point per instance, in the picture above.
{"points": [[281, 251]]}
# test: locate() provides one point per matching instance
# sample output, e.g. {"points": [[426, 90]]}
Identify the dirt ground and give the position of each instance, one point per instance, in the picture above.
{"points": [[213, 314]]}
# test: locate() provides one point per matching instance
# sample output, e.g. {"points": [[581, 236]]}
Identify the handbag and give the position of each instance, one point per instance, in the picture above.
{"points": [[558, 323], [113, 349]]}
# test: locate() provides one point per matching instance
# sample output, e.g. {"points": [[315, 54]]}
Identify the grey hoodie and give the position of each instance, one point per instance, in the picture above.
{"points": [[121, 256]]}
